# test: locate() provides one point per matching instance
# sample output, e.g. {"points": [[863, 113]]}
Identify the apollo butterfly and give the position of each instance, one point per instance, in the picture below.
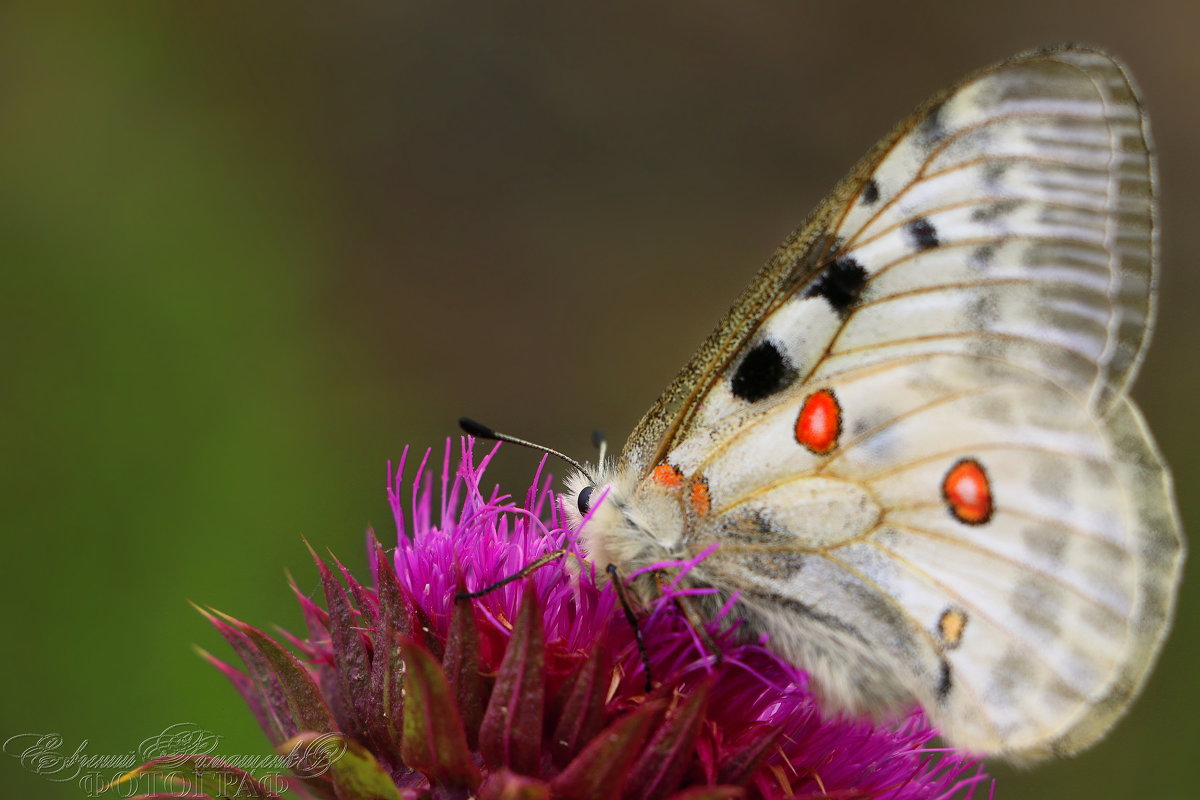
{"points": [[911, 440]]}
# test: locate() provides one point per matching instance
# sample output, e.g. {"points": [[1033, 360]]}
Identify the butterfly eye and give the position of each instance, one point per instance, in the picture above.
{"points": [[585, 499]]}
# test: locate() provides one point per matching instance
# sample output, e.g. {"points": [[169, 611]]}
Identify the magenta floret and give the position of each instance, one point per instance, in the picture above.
{"points": [[537, 689]]}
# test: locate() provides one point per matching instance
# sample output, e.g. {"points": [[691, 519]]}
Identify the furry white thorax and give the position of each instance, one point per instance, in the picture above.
{"points": [[619, 531]]}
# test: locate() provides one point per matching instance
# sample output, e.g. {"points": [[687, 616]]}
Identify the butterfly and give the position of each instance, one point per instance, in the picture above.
{"points": [[909, 446]]}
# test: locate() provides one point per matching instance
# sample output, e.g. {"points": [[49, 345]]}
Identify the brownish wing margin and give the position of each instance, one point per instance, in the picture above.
{"points": [[794, 264]]}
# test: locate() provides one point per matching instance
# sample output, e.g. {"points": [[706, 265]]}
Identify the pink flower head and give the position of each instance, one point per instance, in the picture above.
{"points": [[537, 689]]}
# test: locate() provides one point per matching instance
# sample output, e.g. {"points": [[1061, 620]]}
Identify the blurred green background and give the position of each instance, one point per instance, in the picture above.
{"points": [[249, 251]]}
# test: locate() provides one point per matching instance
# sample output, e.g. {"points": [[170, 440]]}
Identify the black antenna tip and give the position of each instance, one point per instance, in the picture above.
{"points": [[598, 439], [476, 429]]}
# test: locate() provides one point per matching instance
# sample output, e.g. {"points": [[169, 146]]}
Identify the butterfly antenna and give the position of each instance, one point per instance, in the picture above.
{"points": [[600, 443], [481, 431]]}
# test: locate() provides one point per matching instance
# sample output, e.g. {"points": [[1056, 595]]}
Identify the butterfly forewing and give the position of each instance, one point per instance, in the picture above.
{"points": [[1020, 209], [910, 437]]}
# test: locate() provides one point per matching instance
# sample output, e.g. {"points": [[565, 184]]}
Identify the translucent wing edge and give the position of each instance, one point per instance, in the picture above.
{"points": [[1161, 551]]}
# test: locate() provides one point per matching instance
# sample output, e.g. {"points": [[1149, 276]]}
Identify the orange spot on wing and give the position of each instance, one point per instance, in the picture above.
{"points": [[951, 626], [701, 501], [667, 476], [968, 492], [820, 422]]}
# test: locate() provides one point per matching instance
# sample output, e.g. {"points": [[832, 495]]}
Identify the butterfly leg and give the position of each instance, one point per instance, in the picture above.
{"points": [[623, 596], [693, 617], [526, 570]]}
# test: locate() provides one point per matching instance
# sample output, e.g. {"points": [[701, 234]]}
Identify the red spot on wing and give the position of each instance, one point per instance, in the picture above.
{"points": [[820, 422], [667, 476], [701, 501], [968, 492]]}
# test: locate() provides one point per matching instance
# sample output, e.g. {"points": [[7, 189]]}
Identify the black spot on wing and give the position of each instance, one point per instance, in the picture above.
{"points": [[779, 565], [932, 129], [993, 175], [945, 681], [870, 192], [995, 211], [924, 235], [764, 371], [981, 257], [841, 283], [753, 527]]}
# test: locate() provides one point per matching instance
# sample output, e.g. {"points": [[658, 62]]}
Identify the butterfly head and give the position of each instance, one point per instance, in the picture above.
{"points": [[598, 504], [614, 527], [591, 495]]}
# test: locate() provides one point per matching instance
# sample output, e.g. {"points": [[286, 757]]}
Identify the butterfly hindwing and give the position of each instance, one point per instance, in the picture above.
{"points": [[910, 438]]}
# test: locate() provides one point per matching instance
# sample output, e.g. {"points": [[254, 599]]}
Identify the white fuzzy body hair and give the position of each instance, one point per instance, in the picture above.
{"points": [[618, 532], [630, 536]]}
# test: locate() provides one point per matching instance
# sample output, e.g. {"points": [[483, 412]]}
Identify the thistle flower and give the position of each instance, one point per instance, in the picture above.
{"points": [[536, 689]]}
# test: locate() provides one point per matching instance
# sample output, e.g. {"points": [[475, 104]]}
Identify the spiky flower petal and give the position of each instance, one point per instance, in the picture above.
{"points": [[537, 689]]}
